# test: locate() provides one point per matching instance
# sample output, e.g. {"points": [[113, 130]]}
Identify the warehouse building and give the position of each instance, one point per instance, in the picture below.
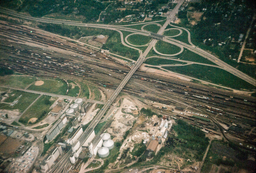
{"points": [[56, 128]]}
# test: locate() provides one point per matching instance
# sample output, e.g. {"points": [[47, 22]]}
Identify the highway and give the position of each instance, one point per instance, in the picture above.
{"points": [[214, 59], [60, 165], [170, 18]]}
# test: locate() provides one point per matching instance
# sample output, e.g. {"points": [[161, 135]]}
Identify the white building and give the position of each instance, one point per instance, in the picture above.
{"points": [[76, 135], [89, 139], [103, 152]]}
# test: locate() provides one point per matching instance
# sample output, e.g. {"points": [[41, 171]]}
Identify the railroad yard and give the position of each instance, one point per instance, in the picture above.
{"points": [[44, 61]]}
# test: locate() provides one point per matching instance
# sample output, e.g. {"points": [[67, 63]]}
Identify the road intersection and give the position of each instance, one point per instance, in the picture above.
{"points": [[64, 160]]}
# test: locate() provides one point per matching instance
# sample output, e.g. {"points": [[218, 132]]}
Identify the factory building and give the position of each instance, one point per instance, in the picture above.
{"points": [[47, 164], [95, 145], [91, 135], [78, 132], [152, 145], [72, 159], [55, 130]]}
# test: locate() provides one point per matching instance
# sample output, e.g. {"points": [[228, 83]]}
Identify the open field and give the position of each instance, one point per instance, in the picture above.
{"points": [[213, 75], [152, 28], [114, 45], [37, 111], [135, 26], [55, 86], [172, 32], [84, 90], [24, 101], [73, 89], [9, 146], [15, 123], [166, 48], [96, 93], [17, 81], [137, 39], [159, 61], [191, 56]]}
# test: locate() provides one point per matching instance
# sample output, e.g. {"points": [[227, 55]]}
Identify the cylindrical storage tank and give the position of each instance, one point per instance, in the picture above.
{"points": [[106, 136], [72, 159], [109, 144], [103, 152], [74, 106], [75, 147], [70, 111], [79, 101]]}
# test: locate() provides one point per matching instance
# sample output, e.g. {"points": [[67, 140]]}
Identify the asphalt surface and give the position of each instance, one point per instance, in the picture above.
{"points": [[60, 166]]}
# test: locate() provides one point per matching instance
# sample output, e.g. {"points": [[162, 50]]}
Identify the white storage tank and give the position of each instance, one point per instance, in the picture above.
{"points": [[70, 112], [79, 101], [105, 136], [72, 159], [103, 152], [74, 106], [109, 144], [75, 147]]}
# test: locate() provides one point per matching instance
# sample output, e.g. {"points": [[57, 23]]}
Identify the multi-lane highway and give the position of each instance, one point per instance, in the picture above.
{"points": [[60, 165], [104, 109], [170, 18]]}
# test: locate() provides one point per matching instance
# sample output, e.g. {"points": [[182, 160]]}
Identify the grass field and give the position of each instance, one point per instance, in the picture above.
{"points": [[84, 90], [99, 127], [213, 75], [172, 32], [152, 28], [56, 86], [183, 37], [96, 91], [24, 101], [114, 45], [166, 48], [15, 123], [135, 26], [191, 56], [17, 81], [73, 89], [159, 61], [138, 39], [38, 110]]}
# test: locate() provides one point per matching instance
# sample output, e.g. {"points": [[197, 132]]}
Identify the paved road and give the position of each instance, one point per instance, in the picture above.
{"points": [[52, 95], [214, 59], [101, 113], [170, 18]]}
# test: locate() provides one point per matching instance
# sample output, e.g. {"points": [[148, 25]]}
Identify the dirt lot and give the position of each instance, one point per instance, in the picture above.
{"points": [[9, 146], [2, 138]]}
